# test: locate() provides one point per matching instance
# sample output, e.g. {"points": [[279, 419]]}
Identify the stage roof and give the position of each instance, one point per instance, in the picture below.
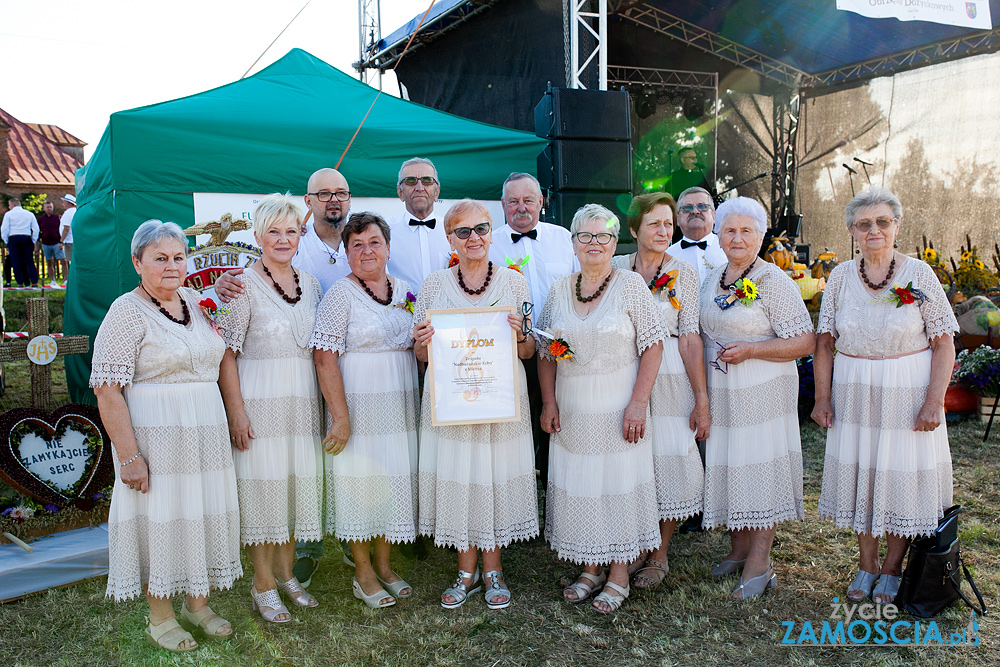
{"points": [[801, 43]]}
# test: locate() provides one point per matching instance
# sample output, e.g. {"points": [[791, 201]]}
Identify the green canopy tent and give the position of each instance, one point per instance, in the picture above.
{"points": [[265, 133]]}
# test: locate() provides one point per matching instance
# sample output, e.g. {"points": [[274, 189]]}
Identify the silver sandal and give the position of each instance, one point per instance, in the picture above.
{"points": [[495, 589], [863, 583], [459, 591], [299, 595]]}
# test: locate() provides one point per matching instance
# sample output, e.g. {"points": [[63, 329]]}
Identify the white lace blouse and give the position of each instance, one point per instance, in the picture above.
{"points": [[349, 320], [870, 325], [675, 322]]}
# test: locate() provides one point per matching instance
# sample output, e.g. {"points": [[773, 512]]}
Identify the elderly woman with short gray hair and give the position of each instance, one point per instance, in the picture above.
{"points": [[887, 471], [754, 325], [174, 524], [601, 497]]}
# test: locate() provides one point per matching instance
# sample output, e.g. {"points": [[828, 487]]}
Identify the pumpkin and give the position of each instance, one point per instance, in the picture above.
{"points": [[779, 254], [823, 266]]}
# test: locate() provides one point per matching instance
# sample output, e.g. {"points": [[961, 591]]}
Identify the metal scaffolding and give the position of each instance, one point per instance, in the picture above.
{"points": [[591, 43], [369, 35]]}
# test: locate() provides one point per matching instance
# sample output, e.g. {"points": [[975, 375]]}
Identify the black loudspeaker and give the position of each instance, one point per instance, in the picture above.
{"points": [[563, 205], [595, 166], [576, 113]]}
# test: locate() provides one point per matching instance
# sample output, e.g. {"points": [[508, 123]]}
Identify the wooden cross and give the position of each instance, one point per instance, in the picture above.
{"points": [[18, 350]]}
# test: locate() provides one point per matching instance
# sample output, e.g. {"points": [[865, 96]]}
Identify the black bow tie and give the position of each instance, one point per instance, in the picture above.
{"points": [[515, 237], [687, 244], [429, 222]]}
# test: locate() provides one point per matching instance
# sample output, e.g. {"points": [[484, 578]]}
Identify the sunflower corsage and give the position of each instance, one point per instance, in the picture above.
{"points": [[903, 296], [744, 291]]}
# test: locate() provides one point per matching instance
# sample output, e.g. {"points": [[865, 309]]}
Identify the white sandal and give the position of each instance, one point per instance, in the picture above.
{"points": [[459, 591], [496, 590], [584, 591], [268, 603], [377, 600], [613, 601]]}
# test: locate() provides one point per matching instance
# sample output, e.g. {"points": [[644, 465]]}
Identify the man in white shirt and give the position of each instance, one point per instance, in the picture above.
{"points": [[419, 244], [19, 231], [329, 200], [549, 252], [547, 247], [66, 228], [700, 246]]}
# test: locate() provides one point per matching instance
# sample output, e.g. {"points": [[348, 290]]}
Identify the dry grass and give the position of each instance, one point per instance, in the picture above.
{"points": [[688, 621]]}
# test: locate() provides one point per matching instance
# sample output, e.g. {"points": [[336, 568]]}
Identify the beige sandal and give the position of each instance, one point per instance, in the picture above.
{"points": [[169, 635], [205, 621], [651, 574], [613, 601], [299, 595], [582, 590]]}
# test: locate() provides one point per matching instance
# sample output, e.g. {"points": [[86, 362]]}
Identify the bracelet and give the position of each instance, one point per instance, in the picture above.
{"points": [[523, 340], [131, 459]]}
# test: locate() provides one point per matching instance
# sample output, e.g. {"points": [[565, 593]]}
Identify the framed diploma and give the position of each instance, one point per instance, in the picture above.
{"points": [[472, 367]]}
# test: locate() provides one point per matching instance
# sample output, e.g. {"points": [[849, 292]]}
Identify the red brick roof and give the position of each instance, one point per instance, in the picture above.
{"points": [[34, 160], [56, 134]]}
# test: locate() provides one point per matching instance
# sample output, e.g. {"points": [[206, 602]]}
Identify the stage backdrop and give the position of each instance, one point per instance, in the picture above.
{"points": [[265, 133]]}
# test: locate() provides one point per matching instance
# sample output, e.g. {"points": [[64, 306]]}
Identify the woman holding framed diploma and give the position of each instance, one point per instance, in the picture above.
{"points": [[601, 496], [477, 481]]}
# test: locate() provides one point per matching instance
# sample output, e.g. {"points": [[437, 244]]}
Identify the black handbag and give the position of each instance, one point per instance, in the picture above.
{"points": [[932, 579]]}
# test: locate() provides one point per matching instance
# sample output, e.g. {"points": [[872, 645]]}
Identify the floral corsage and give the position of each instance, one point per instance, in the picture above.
{"points": [[743, 291], [902, 296], [517, 265], [557, 347], [453, 260], [212, 311], [408, 303], [665, 284]]}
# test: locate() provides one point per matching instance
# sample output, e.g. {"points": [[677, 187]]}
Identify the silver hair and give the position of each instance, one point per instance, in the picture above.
{"points": [[417, 160], [272, 209], [518, 176], [589, 212], [870, 198], [695, 190], [741, 206], [152, 232]]}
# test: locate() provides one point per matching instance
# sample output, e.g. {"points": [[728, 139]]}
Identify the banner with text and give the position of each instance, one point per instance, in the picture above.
{"points": [[949, 12]]}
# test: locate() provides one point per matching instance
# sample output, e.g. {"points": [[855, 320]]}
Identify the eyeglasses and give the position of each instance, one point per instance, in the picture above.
{"points": [[426, 181], [883, 222], [526, 309], [603, 238], [691, 208], [715, 364], [482, 229], [341, 195]]}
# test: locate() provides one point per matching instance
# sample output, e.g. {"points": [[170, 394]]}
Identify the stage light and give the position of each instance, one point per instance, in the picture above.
{"points": [[645, 104], [694, 107]]}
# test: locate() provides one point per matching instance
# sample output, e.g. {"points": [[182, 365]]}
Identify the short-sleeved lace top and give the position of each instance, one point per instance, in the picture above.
{"points": [[262, 325], [441, 290], [137, 344], [870, 325], [778, 311], [675, 322], [348, 320], [625, 323]]}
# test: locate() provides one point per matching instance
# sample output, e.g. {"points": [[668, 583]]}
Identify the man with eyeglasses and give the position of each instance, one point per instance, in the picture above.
{"points": [[420, 245], [699, 246], [329, 200], [544, 252]]}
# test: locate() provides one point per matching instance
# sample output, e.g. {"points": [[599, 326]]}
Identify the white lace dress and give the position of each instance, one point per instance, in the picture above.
{"points": [[280, 475], [880, 476], [753, 457], [601, 497], [183, 535], [677, 467], [477, 481], [371, 486]]}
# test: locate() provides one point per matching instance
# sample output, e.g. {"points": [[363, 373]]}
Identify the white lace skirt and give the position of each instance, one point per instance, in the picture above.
{"points": [[753, 457], [477, 482], [880, 476], [280, 476], [601, 499], [677, 467], [183, 536], [371, 486]]}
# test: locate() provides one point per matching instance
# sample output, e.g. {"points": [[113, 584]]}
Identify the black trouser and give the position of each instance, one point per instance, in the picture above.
{"points": [[540, 437], [22, 259]]}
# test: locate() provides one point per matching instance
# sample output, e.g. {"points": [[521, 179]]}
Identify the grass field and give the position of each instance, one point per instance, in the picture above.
{"points": [[687, 621]]}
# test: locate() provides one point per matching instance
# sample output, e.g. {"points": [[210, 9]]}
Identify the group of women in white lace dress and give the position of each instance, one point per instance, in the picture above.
{"points": [[216, 414]]}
